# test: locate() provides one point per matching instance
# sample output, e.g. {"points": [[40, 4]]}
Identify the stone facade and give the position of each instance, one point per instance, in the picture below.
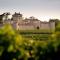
{"points": [[19, 23], [31, 24]]}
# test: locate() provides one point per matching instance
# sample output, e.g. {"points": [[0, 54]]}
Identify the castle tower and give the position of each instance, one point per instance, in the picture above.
{"points": [[52, 24], [16, 18]]}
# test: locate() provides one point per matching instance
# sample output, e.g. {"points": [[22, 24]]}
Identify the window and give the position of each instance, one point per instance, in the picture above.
{"points": [[38, 27]]}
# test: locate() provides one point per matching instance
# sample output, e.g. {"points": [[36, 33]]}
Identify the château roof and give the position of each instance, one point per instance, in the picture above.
{"points": [[17, 14]]}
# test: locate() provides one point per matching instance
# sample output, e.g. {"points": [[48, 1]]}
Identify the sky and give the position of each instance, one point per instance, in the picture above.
{"points": [[41, 9]]}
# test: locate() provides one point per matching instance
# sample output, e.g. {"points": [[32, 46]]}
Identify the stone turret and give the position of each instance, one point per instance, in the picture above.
{"points": [[52, 24], [17, 16]]}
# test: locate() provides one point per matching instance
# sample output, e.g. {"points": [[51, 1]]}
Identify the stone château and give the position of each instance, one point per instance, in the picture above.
{"points": [[31, 23]]}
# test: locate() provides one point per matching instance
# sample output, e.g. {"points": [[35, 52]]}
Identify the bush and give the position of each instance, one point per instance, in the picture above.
{"points": [[15, 47]]}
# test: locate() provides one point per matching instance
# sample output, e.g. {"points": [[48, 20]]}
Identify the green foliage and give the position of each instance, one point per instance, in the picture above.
{"points": [[17, 47], [9, 39]]}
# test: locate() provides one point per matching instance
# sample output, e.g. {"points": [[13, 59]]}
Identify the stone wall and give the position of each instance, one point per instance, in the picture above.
{"points": [[23, 25]]}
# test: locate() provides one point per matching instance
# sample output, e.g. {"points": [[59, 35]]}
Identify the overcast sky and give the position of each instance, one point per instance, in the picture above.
{"points": [[41, 9]]}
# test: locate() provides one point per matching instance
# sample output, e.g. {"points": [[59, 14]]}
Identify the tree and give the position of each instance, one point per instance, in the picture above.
{"points": [[1, 18], [5, 16]]}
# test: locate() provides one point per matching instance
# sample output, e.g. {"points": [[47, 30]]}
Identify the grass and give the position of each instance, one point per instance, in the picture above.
{"points": [[36, 34], [36, 31]]}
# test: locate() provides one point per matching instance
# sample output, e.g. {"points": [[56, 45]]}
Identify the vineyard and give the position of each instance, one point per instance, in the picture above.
{"points": [[36, 36], [29, 45]]}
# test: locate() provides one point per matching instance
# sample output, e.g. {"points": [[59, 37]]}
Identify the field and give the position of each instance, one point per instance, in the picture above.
{"points": [[36, 34]]}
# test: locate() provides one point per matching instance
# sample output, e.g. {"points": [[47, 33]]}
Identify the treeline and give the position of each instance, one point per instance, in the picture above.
{"points": [[14, 46]]}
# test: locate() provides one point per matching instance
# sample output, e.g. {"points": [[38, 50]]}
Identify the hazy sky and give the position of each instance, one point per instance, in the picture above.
{"points": [[42, 9]]}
